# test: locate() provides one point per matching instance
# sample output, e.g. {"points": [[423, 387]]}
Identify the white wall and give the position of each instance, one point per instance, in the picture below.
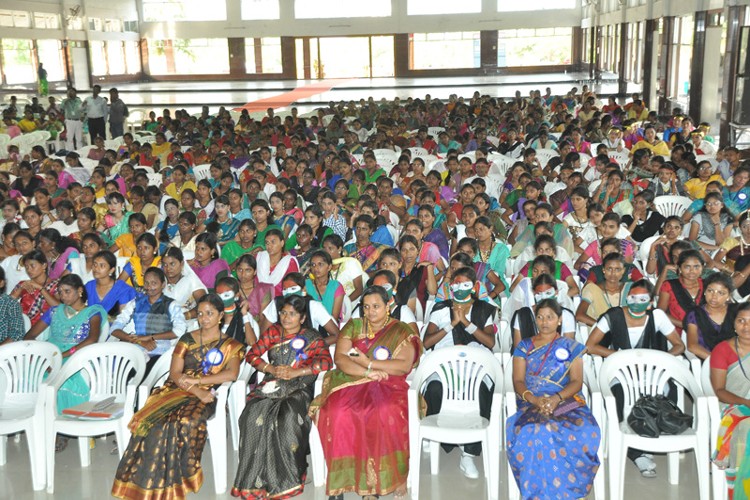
{"points": [[398, 22]]}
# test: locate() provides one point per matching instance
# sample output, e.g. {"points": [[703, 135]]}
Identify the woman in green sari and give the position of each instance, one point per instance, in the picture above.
{"points": [[363, 407], [730, 364], [72, 327], [116, 221]]}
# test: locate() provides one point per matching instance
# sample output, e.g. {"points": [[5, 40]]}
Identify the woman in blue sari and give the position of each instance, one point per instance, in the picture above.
{"points": [[553, 454], [72, 326], [321, 287]]}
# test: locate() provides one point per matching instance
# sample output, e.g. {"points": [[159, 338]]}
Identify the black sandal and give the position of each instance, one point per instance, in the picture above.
{"points": [[340, 496], [61, 443]]}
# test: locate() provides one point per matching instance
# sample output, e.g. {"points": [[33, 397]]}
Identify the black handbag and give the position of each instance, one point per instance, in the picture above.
{"points": [[653, 416]]}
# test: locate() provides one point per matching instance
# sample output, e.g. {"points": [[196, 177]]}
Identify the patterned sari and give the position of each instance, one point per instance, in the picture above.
{"points": [[732, 453], [367, 256], [163, 458], [33, 304], [275, 428], [552, 457], [367, 449]]}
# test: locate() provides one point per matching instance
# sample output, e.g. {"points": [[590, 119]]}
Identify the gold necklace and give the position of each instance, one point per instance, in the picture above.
{"points": [[486, 257], [370, 332]]}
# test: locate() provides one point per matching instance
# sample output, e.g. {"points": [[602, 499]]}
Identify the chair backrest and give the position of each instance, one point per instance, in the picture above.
{"points": [[672, 205], [461, 370], [435, 131], [708, 388], [107, 368], [644, 372], [160, 371], [23, 366], [202, 171], [418, 152], [545, 155]]}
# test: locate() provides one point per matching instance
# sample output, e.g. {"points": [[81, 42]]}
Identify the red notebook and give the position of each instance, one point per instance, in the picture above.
{"points": [[96, 410]]}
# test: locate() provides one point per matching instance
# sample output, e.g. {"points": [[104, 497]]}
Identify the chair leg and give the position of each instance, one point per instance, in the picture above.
{"points": [[83, 451], [234, 424], [513, 492], [704, 468], [719, 483], [487, 469], [493, 453], [600, 478], [317, 458], [49, 452], [122, 436], [673, 464], [617, 458], [35, 442], [3, 451], [217, 436], [415, 461], [434, 457]]}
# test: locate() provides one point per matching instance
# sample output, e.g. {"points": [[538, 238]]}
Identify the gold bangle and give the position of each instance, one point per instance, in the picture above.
{"points": [[523, 395]]}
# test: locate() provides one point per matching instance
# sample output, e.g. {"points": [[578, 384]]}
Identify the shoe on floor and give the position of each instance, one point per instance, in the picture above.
{"points": [[646, 466], [467, 466]]}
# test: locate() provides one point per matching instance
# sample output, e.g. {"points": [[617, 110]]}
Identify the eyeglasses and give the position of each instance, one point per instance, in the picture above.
{"points": [[713, 204]]}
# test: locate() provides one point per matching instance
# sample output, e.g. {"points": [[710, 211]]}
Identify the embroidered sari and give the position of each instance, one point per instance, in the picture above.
{"points": [[732, 453], [496, 262], [552, 457], [163, 458], [367, 256], [115, 229], [62, 263], [275, 425], [367, 449], [33, 304]]}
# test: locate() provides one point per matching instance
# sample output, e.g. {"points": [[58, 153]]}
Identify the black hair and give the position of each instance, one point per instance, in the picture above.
{"points": [[375, 290], [110, 259], [174, 253], [157, 271], [210, 240], [74, 281]]}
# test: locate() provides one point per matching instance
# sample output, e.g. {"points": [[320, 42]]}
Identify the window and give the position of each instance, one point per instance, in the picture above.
{"points": [[444, 50], [18, 61], [50, 54], [98, 58], [253, 10], [42, 20], [531, 5], [633, 69], [263, 55], [95, 24], [184, 10], [197, 56], [540, 47], [132, 57], [328, 9], [130, 26], [113, 25], [75, 23], [15, 19], [115, 58], [423, 7], [682, 52]]}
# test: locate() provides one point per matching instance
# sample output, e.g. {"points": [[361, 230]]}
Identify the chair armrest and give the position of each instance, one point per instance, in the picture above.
{"points": [[700, 406], [511, 406], [130, 392], [41, 399], [50, 401], [221, 394], [496, 410]]}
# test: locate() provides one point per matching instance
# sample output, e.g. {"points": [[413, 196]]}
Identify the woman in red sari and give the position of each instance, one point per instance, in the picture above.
{"points": [[363, 407]]}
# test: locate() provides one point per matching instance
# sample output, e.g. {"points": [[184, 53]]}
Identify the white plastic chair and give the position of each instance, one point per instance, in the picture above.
{"points": [[593, 398], [236, 402], [718, 477], [545, 155], [461, 371], [202, 171], [644, 372], [216, 425], [418, 152], [620, 157], [23, 367], [435, 131], [106, 368], [668, 205]]}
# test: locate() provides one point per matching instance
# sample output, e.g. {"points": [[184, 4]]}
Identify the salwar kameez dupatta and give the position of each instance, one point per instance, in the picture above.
{"points": [[365, 423], [163, 458], [552, 457], [732, 453], [275, 427]]}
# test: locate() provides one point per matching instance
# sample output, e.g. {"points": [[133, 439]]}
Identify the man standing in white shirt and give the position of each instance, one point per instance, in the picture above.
{"points": [[73, 112], [95, 109]]}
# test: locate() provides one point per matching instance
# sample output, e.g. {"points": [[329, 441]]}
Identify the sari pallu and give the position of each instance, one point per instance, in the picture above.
{"points": [[275, 427], [552, 457], [163, 458], [367, 256], [367, 450], [732, 453]]}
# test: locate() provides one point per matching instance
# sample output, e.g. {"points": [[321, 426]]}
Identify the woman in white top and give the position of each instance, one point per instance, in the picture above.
{"points": [[15, 272], [523, 322], [182, 285], [635, 325]]}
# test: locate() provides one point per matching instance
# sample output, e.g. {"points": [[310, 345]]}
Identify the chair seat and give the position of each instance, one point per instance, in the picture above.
{"points": [[665, 443], [454, 422], [18, 411]]}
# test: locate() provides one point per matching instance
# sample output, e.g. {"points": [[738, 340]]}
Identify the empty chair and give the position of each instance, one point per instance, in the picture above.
{"points": [[23, 367], [461, 371], [642, 372], [112, 371]]}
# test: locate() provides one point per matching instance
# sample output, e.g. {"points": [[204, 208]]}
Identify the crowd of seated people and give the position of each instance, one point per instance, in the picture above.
{"points": [[383, 230]]}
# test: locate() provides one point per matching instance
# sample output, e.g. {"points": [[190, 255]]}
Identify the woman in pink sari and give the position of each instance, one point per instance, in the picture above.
{"points": [[60, 252], [363, 407]]}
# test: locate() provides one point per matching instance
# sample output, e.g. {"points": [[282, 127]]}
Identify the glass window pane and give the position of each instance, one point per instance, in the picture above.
{"points": [[426, 7], [530, 5], [42, 20], [115, 58], [157, 57], [201, 56], [6, 18], [345, 57], [184, 10], [98, 57], [132, 58], [18, 64], [21, 19], [327, 9], [250, 56], [383, 64], [444, 53], [270, 49], [50, 54], [259, 9], [530, 49]]}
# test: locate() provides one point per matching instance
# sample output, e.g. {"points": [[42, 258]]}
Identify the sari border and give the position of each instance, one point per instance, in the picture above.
{"points": [[128, 489]]}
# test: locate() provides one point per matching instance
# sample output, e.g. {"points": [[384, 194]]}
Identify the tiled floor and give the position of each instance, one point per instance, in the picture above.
{"points": [[94, 482]]}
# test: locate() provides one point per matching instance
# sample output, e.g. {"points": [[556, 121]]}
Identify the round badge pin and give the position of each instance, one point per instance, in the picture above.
{"points": [[562, 354], [382, 353]]}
